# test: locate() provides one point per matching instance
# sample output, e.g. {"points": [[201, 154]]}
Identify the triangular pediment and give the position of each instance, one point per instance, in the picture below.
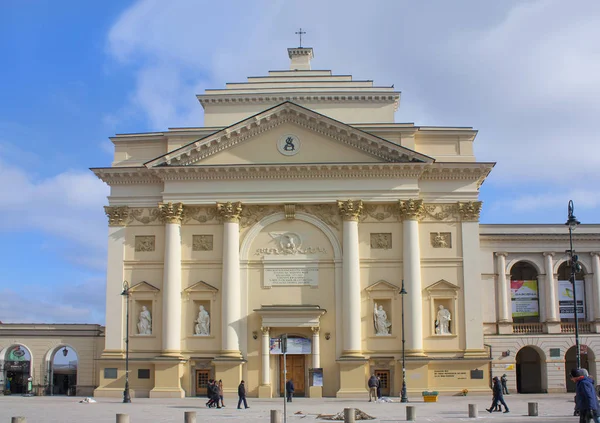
{"points": [[200, 286], [288, 134], [381, 287], [442, 286], [144, 287]]}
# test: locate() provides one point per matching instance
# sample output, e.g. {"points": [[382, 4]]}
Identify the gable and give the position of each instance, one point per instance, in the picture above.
{"points": [[326, 139]]}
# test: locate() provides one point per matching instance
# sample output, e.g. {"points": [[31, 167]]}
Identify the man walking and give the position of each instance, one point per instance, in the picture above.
{"points": [[242, 395], [503, 380], [289, 390], [585, 397], [497, 396], [372, 383]]}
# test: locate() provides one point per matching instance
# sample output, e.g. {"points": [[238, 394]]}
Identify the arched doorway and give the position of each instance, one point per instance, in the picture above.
{"points": [[529, 371], [16, 372], [63, 371], [298, 347], [588, 361]]}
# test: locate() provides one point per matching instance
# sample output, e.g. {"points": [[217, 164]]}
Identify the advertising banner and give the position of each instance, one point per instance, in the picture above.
{"points": [[294, 346], [524, 298], [565, 299]]}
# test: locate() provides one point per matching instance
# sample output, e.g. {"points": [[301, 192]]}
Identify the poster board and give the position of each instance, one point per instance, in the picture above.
{"points": [[524, 298], [566, 299]]}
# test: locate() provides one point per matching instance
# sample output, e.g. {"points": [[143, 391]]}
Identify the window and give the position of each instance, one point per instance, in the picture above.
{"points": [[110, 373], [143, 373]]}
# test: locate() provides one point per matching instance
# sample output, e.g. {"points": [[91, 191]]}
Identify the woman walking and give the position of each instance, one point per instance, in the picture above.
{"points": [[498, 397], [220, 385]]}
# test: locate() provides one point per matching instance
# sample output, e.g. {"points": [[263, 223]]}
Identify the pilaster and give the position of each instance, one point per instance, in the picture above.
{"points": [[315, 391], [502, 288], [265, 389], [551, 289]]}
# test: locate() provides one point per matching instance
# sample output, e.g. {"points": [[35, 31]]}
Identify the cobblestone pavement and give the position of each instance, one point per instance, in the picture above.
{"points": [[552, 408]]}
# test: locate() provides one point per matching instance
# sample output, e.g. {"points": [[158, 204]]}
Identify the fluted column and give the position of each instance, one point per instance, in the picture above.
{"points": [[171, 214], [115, 317], [596, 283], [316, 349], [350, 212], [503, 301], [411, 212], [231, 287], [266, 357], [551, 289]]}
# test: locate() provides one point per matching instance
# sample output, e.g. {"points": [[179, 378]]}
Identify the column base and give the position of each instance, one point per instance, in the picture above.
{"points": [[476, 354], [171, 354], [553, 327], [415, 353], [167, 380], [229, 370], [596, 326], [353, 378], [315, 392], [265, 391], [505, 328], [113, 354]]}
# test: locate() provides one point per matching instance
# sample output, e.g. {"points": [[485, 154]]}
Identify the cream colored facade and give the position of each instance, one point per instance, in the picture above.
{"points": [[297, 209], [40, 344]]}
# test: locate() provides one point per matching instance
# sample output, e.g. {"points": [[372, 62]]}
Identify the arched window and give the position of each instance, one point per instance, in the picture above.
{"points": [[524, 290]]}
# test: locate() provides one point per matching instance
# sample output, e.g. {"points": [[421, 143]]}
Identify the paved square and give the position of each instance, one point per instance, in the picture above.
{"points": [[552, 408]]}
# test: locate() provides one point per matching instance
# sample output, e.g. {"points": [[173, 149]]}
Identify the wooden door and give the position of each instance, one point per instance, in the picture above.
{"points": [[384, 382], [202, 382], [295, 370]]}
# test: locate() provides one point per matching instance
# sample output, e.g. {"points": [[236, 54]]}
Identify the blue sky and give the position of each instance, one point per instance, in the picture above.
{"points": [[526, 74]]}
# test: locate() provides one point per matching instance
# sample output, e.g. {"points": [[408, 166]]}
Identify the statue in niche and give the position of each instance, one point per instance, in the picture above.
{"points": [[202, 322], [382, 324], [145, 322], [442, 324]]}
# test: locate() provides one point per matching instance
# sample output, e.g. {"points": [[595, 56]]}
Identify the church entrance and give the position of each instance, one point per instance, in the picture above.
{"points": [[202, 382], [384, 382], [296, 369]]}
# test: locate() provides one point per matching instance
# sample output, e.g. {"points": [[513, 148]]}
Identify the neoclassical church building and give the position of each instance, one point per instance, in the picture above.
{"points": [[301, 209]]}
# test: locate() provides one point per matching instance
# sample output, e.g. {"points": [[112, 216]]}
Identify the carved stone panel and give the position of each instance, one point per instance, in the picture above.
{"points": [[145, 243], [202, 243], [441, 239], [381, 241]]}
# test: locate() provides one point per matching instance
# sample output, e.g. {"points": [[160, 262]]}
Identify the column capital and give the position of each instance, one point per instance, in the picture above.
{"points": [[548, 253], [501, 254], [350, 210], [595, 253], [411, 209], [265, 330], [469, 211], [230, 212], [315, 330], [171, 212], [117, 216]]}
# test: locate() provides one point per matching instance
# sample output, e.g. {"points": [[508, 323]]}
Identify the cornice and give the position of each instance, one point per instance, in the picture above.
{"points": [[329, 97], [458, 171], [537, 237], [126, 175]]}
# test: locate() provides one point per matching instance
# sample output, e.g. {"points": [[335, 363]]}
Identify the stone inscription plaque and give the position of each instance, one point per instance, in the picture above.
{"points": [[450, 374], [291, 276]]}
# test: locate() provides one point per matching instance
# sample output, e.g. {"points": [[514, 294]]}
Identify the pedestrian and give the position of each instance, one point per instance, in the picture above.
{"points": [[372, 383], [289, 390], [497, 396], [220, 386], [213, 394], [503, 379], [378, 388], [585, 397], [242, 395]]}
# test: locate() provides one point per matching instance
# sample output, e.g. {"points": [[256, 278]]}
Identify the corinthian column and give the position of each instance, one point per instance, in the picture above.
{"points": [[411, 212], [266, 368], [551, 288], [171, 214], [596, 284], [350, 212], [230, 297], [115, 319], [316, 349], [503, 304]]}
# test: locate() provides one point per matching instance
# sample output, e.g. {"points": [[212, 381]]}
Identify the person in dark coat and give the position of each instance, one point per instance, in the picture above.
{"points": [[372, 384], [504, 380], [585, 397], [289, 390], [242, 395], [498, 397]]}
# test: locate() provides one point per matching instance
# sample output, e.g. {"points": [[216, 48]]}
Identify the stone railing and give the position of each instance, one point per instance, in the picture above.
{"points": [[568, 327], [528, 328]]}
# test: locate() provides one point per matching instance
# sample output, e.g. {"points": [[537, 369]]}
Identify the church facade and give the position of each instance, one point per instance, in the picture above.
{"points": [[302, 210]]}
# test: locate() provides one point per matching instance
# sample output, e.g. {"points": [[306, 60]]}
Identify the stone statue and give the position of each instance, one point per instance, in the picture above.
{"points": [[382, 324], [145, 322], [202, 322], [442, 324]]}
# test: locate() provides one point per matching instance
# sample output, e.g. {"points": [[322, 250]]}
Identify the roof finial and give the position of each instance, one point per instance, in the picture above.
{"points": [[300, 33]]}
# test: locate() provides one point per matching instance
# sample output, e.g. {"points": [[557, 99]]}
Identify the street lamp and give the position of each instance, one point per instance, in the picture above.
{"points": [[403, 397], [125, 293], [572, 223]]}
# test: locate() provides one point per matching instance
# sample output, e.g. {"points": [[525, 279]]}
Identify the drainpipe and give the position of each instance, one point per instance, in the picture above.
{"points": [[491, 358]]}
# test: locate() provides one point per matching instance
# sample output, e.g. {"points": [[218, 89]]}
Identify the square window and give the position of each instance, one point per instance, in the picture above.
{"points": [[143, 373], [110, 373]]}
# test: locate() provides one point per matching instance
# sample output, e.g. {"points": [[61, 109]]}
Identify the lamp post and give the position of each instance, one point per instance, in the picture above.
{"points": [[403, 397], [125, 293], [572, 223]]}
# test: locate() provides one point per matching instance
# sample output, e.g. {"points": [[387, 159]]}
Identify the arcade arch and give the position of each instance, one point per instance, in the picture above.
{"points": [[531, 371], [588, 362], [15, 369], [61, 363]]}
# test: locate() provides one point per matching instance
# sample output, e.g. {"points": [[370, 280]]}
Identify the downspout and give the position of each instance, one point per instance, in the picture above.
{"points": [[491, 358]]}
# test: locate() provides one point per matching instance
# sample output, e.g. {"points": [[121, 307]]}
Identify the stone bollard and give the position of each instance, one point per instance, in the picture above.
{"points": [[122, 418], [18, 419], [349, 415], [275, 416], [473, 413], [411, 413], [532, 408], [189, 417]]}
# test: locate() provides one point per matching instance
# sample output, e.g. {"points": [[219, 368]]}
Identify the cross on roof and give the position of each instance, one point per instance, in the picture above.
{"points": [[300, 33]]}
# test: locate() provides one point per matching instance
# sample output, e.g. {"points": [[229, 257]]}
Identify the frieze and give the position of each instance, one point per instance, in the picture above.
{"points": [[200, 214], [327, 213], [144, 215], [379, 212], [254, 213], [288, 243], [440, 211]]}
